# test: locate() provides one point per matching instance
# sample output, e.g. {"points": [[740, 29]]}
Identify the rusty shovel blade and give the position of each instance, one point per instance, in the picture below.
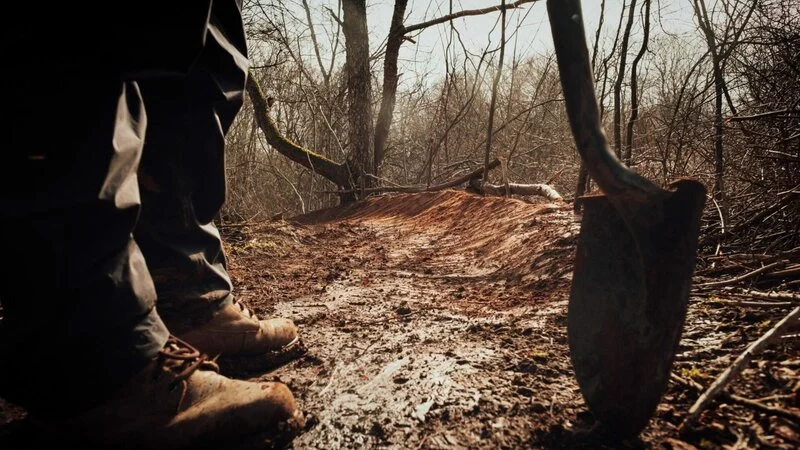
{"points": [[635, 258], [628, 304]]}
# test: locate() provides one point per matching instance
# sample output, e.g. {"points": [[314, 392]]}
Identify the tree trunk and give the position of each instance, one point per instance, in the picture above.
{"points": [[495, 83], [719, 160], [635, 85], [583, 172], [326, 76], [719, 81], [384, 122], [583, 186], [359, 91], [623, 56]]}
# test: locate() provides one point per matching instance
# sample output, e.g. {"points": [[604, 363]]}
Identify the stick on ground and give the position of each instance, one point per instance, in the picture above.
{"points": [[773, 295], [737, 366], [743, 277]]}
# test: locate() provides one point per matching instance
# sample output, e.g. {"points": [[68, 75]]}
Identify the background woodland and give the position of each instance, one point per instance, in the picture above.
{"points": [[334, 114]]}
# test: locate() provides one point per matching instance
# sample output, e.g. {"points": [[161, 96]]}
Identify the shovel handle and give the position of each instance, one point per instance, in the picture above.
{"points": [[569, 38]]}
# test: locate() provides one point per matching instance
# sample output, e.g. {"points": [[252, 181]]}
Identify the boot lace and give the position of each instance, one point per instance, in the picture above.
{"points": [[183, 360]]}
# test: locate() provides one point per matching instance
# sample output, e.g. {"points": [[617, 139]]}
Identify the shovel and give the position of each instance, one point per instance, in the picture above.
{"points": [[635, 258]]}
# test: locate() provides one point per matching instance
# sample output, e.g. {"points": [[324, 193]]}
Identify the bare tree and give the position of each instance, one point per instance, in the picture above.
{"points": [[623, 56], [493, 102], [359, 88], [635, 85], [390, 79], [720, 49], [583, 172]]}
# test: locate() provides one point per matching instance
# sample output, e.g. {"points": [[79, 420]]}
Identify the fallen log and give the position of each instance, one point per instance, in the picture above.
{"points": [[474, 185], [540, 190], [477, 173]]}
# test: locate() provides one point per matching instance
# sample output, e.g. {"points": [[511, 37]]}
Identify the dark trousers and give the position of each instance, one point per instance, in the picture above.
{"points": [[112, 170]]}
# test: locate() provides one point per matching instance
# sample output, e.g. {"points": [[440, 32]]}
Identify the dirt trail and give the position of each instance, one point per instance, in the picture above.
{"points": [[432, 320], [438, 320]]}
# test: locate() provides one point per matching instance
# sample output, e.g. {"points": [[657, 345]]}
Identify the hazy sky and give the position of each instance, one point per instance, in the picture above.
{"points": [[534, 32], [528, 29]]}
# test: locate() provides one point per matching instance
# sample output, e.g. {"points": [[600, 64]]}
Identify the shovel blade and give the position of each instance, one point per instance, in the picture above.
{"points": [[628, 303]]}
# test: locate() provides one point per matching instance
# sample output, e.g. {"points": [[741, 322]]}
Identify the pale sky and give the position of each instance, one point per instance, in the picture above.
{"points": [[426, 56]]}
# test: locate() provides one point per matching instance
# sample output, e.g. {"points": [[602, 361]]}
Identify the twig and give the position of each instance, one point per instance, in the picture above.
{"points": [[754, 304], [787, 197], [770, 298], [779, 112], [745, 276], [687, 382], [791, 270], [721, 220], [782, 412], [737, 367], [754, 404], [334, 16], [758, 257], [773, 295], [330, 381], [555, 176]]}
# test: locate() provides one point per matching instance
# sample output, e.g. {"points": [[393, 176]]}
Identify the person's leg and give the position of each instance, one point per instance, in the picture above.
{"points": [[82, 347], [76, 291], [183, 187]]}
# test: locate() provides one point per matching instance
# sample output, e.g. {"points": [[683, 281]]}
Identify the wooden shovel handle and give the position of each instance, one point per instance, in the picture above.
{"points": [[569, 38]]}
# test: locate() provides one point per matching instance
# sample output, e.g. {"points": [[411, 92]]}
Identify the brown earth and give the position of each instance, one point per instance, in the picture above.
{"points": [[438, 321]]}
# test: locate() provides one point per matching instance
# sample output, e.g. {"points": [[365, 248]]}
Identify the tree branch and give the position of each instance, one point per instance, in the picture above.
{"points": [[337, 173], [325, 75], [465, 13], [779, 112]]}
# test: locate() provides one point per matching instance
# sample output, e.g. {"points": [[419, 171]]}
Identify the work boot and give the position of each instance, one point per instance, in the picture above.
{"points": [[179, 400], [234, 331]]}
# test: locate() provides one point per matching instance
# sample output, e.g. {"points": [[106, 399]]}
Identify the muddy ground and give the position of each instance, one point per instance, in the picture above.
{"points": [[438, 321]]}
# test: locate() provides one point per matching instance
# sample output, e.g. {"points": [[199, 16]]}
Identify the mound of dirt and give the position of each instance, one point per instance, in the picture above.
{"points": [[516, 242]]}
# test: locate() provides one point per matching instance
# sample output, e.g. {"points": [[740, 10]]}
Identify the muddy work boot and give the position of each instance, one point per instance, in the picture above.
{"points": [[243, 340], [180, 400]]}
